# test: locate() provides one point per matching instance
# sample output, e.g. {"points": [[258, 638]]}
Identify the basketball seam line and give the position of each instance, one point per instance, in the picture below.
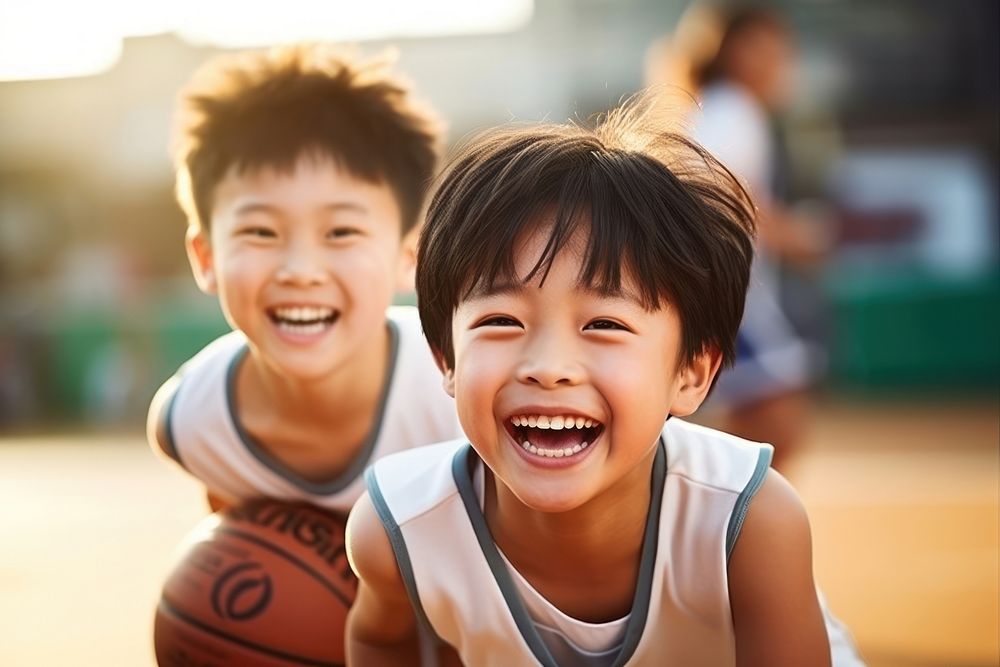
{"points": [[295, 559]]}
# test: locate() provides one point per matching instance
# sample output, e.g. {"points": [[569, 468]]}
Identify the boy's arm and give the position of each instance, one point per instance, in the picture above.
{"points": [[157, 431], [158, 434], [776, 614], [381, 626]]}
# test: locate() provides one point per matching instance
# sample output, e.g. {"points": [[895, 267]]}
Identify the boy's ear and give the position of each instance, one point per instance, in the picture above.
{"points": [[447, 374], [695, 380], [199, 253], [407, 265]]}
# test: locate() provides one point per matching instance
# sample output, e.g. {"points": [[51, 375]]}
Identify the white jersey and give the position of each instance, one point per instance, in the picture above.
{"points": [[206, 437], [734, 127], [463, 588]]}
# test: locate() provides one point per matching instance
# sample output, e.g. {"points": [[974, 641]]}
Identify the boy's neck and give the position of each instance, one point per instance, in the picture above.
{"points": [[598, 541], [350, 390]]}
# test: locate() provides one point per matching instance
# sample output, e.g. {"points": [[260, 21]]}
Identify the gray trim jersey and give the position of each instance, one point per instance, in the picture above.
{"points": [[206, 437], [703, 482]]}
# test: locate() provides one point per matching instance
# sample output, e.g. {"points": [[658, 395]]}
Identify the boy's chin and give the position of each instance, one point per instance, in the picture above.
{"points": [[303, 366], [557, 500]]}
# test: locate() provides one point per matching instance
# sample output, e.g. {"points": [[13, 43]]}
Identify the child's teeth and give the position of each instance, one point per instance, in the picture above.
{"points": [[555, 423], [303, 313], [304, 329], [554, 453]]}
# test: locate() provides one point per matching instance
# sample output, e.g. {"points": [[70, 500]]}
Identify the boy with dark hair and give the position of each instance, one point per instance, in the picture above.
{"points": [[303, 173], [581, 290]]}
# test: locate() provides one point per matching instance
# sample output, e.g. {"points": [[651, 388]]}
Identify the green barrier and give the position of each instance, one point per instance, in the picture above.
{"points": [[77, 344], [181, 331], [105, 365], [915, 331]]}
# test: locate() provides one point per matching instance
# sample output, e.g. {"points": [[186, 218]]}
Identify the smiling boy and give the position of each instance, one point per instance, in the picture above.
{"points": [[303, 173], [581, 290]]}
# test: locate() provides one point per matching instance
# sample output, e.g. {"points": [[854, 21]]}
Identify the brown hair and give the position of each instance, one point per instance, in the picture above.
{"points": [[265, 109], [657, 206], [732, 24]]}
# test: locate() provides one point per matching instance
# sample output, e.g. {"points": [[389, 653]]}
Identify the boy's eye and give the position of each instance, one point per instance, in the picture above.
{"points": [[343, 232], [258, 232], [605, 325], [499, 321]]}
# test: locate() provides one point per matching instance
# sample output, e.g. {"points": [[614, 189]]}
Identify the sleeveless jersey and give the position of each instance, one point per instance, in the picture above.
{"points": [[463, 588], [206, 437]]}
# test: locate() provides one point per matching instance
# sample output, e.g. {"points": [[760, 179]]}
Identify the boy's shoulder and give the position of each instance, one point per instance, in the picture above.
{"points": [[713, 458], [411, 482], [219, 352], [205, 374], [204, 379]]}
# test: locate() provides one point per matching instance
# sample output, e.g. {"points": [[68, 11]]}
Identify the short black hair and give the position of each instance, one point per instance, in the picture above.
{"points": [[658, 207]]}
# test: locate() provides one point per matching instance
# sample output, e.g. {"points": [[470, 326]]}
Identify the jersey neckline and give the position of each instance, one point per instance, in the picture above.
{"points": [[356, 466], [462, 470]]}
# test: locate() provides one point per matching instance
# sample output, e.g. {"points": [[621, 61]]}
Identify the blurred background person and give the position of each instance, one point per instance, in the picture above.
{"points": [[738, 62]]}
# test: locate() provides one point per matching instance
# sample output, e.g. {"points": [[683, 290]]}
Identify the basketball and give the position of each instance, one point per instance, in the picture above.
{"points": [[264, 584]]}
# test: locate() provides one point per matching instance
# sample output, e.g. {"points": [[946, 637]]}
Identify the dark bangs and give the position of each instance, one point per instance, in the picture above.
{"points": [[642, 222]]}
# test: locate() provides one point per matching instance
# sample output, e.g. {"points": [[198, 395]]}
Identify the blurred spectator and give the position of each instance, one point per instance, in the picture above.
{"points": [[739, 64]]}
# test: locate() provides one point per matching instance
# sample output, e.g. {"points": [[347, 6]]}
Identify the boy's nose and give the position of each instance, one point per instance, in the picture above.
{"points": [[550, 361], [301, 266]]}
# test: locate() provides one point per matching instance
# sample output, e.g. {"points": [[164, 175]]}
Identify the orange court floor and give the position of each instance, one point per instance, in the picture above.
{"points": [[902, 495]]}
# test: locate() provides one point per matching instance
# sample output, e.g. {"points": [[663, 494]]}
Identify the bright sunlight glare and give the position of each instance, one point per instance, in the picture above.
{"points": [[44, 39]]}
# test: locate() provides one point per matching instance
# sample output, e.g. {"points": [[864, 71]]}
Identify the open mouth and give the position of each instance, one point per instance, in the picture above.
{"points": [[303, 320], [554, 436]]}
